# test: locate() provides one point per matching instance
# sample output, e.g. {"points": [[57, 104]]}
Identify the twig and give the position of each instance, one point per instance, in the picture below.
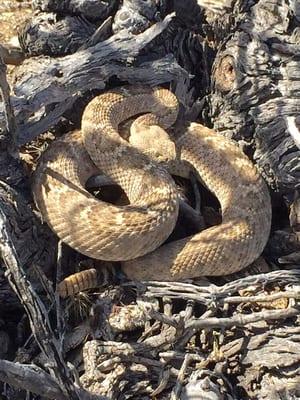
{"points": [[10, 126], [163, 318], [189, 333], [192, 216], [176, 355], [175, 395], [262, 298], [241, 319], [163, 382], [107, 365], [196, 193], [189, 310], [279, 276], [100, 34], [59, 320], [207, 293]]}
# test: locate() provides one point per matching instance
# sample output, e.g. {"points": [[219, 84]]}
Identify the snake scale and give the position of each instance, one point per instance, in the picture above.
{"points": [[134, 234]]}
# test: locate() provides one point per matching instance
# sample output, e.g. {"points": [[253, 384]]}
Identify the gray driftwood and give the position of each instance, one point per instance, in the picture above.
{"points": [[54, 36], [91, 9], [255, 85], [49, 87], [264, 354]]}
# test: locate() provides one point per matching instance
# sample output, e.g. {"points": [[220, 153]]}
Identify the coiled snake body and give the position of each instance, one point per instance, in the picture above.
{"points": [[133, 233]]}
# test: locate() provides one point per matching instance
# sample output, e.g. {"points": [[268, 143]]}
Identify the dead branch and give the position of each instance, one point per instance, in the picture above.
{"points": [[241, 319], [15, 259], [175, 395], [207, 293], [35, 309], [9, 134], [255, 82], [31, 378], [264, 355], [54, 85], [265, 298]]}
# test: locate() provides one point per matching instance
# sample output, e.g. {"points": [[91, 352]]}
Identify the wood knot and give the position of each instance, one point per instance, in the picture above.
{"points": [[225, 74]]}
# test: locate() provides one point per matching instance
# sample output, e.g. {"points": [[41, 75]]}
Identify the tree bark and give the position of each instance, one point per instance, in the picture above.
{"points": [[256, 89]]}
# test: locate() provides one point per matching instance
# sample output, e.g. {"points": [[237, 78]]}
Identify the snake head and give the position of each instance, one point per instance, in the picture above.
{"points": [[152, 140]]}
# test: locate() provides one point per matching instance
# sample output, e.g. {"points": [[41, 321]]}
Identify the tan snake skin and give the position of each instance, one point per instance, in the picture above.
{"points": [[128, 233]]}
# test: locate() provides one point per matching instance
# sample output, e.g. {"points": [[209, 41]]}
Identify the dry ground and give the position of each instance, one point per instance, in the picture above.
{"points": [[12, 15]]}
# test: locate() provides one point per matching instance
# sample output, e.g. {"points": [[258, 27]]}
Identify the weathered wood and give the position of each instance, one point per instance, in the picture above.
{"points": [[29, 236], [207, 293], [50, 35], [48, 88], [30, 378], [264, 354], [91, 9], [24, 245], [256, 88], [8, 135], [36, 310], [136, 16], [11, 55]]}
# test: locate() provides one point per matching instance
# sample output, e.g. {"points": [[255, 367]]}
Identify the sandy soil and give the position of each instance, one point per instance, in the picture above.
{"points": [[12, 15]]}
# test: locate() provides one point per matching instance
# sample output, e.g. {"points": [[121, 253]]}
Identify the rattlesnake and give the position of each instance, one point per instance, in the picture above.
{"points": [[133, 233]]}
